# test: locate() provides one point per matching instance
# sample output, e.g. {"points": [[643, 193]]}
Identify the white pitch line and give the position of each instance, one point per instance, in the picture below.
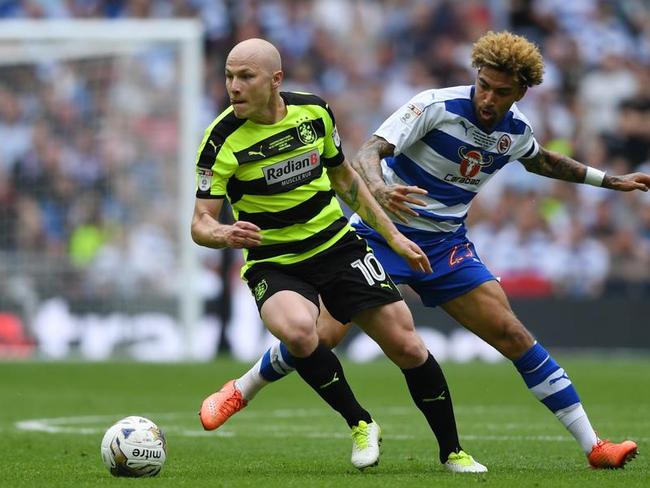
{"points": [[79, 425]]}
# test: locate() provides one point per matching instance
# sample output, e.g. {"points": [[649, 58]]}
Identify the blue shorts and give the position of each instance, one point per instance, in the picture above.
{"points": [[457, 269]]}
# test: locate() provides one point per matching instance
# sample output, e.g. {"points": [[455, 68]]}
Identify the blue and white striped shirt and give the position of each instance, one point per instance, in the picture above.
{"points": [[440, 146]]}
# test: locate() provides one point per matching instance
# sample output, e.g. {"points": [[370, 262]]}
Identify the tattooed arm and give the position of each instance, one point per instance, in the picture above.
{"points": [[393, 198], [353, 191], [560, 167], [367, 161]]}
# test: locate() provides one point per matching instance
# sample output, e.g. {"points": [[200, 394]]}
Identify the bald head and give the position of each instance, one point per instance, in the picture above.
{"points": [[257, 52], [253, 79]]}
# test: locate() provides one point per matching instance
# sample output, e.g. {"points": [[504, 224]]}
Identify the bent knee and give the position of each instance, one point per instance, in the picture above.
{"points": [[300, 337], [407, 352], [514, 339]]}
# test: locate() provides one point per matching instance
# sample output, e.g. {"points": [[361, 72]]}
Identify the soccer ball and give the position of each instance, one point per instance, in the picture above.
{"points": [[134, 447]]}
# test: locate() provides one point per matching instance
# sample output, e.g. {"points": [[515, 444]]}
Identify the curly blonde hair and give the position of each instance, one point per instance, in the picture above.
{"points": [[508, 52]]}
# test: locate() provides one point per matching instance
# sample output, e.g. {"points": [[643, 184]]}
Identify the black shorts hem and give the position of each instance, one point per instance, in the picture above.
{"points": [[365, 306]]}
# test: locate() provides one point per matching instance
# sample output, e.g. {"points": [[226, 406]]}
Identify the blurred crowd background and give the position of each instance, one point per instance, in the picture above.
{"points": [[81, 189]]}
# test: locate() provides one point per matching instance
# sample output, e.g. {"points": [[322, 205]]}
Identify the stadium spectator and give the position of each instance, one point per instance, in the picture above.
{"points": [[524, 253], [583, 263]]}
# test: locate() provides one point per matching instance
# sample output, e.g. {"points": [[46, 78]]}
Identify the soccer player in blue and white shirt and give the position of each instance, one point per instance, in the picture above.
{"points": [[424, 165]]}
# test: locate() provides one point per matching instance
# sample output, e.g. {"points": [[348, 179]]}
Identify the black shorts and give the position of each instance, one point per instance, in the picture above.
{"points": [[347, 276]]}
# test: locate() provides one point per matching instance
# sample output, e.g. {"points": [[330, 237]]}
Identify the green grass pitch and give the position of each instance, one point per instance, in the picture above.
{"points": [[53, 415]]}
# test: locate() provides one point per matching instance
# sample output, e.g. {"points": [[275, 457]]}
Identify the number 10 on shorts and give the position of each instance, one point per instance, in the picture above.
{"points": [[371, 269]]}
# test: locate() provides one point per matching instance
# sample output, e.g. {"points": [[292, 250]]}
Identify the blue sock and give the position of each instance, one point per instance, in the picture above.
{"points": [[551, 385], [276, 363], [546, 379]]}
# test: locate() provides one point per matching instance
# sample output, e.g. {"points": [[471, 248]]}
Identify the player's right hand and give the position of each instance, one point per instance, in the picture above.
{"points": [[243, 234], [411, 252], [394, 199]]}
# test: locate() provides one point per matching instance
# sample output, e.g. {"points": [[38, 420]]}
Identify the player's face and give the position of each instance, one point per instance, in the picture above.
{"points": [[249, 87], [495, 93]]}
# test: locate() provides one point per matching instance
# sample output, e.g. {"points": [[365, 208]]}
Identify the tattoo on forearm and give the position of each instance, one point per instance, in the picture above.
{"points": [[351, 195], [371, 218], [366, 162], [555, 165]]}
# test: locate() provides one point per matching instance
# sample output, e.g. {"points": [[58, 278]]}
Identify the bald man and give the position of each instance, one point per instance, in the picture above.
{"points": [[277, 157], [254, 100]]}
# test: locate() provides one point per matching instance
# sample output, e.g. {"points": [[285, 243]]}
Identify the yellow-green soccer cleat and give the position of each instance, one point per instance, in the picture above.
{"points": [[366, 439], [461, 462]]}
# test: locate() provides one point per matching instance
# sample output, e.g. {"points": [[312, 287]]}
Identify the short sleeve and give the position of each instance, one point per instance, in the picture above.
{"points": [[332, 151], [526, 146], [214, 166], [412, 120]]}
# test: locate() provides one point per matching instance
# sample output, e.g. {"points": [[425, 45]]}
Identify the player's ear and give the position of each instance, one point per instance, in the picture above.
{"points": [[277, 78]]}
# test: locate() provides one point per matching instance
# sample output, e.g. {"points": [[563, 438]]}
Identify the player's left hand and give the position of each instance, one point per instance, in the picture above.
{"points": [[629, 182], [411, 252], [394, 199]]}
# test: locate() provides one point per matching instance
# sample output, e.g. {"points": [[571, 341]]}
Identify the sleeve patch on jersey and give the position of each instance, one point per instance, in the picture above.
{"points": [[205, 179], [412, 112], [336, 138]]}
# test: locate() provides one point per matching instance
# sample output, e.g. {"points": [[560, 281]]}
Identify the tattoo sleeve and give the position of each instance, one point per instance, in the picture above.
{"points": [[351, 188], [351, 196], [555, 165], [366, 162]]}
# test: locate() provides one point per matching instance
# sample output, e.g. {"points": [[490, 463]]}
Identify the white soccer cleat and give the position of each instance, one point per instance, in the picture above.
{"points": [[461, 462], [366, 439]]}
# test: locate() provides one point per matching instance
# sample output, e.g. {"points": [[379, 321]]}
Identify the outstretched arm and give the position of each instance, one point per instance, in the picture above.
{"points": [[354, 192], [561, 167], [393, 198]]}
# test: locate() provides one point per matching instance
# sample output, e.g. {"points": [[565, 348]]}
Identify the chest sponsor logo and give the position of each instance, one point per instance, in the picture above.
{"points": [[472, 161], [292, 172], [504, 144], [306, 133]]}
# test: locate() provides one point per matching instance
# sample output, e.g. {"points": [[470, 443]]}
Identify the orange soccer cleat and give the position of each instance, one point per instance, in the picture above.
{"points": [[608, 455], [220, 406]]}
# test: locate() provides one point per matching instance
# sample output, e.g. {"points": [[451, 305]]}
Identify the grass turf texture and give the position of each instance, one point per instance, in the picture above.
{"points": [[288, 438]]}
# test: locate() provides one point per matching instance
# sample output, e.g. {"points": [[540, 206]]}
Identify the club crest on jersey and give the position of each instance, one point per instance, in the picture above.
{"points": [[306, 133], [472, 161], [504, 144], [205, 179]]}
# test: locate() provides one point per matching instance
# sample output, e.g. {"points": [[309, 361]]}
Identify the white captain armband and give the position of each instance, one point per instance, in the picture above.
{"points": [[594, 176]]}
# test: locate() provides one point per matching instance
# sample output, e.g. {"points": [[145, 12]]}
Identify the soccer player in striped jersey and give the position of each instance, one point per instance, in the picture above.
{"points": [[424, 165], [277, 157]]}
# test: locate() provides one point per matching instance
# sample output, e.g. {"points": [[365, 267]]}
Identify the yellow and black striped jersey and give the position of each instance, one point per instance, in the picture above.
{"points": [[273, 176]]}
